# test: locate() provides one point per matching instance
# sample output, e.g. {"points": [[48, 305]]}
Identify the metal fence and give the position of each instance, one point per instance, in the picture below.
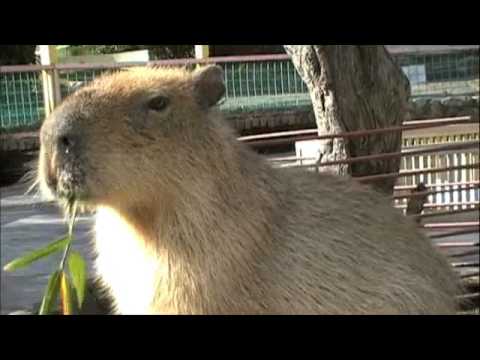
{"points": [[455, 189], [70, 80], [442, 74], [450, 170], [253, 83], [21, 99]]}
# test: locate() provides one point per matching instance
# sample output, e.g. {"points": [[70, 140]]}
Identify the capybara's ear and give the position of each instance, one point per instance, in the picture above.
{"points": [[208, 85]]}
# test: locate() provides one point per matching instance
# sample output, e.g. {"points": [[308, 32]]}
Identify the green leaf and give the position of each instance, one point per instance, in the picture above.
{"points": [[78, 273], [37, 254], [66, 295], [51, 293]]}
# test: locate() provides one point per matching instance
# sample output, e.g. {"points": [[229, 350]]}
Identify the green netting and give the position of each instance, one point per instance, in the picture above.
{"points": [[267, 103], [252, 86], [267, 85], [455, 73], [267, 78], [73, 79], [21, 99]]}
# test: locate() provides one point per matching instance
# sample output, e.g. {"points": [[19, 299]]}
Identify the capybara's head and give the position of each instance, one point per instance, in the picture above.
{"points": [[119, 137]]}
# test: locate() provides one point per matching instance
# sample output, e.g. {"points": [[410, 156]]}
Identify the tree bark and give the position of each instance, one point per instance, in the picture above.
{"points": [[355, 88], [17, 54]]}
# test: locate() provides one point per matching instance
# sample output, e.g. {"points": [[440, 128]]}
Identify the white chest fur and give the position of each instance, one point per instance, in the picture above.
{"points": [[124, 264]]}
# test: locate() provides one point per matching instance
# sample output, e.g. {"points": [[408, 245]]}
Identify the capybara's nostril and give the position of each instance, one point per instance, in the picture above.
{"points": [[65, 144]]}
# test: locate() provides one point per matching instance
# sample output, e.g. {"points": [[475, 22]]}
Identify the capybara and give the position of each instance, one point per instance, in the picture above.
{"points": [[191, 221]]}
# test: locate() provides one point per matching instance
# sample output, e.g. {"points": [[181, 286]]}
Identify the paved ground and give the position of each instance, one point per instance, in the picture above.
{"points": [[27, 223]]}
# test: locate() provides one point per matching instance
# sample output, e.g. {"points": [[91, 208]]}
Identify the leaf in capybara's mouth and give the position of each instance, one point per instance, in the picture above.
{"points": [[59, 283]]}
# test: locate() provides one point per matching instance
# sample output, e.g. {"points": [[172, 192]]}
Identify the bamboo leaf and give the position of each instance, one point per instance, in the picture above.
{"points": [[78, 272], [66, 295], [51, 293], [37, 254]]}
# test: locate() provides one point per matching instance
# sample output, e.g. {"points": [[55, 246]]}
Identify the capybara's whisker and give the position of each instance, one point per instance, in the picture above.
{"points": [[33, 186]]}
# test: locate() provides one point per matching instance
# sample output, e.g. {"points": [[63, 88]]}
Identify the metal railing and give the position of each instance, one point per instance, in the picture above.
{"points": [[448, 73], [450, 171], [253, 83]]}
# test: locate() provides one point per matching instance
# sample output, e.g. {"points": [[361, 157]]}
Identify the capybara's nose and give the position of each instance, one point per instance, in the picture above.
{"points": [[65, 144], [59, 134]]}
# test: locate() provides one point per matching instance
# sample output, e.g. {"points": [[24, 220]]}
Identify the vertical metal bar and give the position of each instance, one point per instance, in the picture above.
{"points": [[261, 79], [22, 99], [268, 77], [15, 100], [8, 103], [30, 95], [295, 79], [239, 67], [246, 78], [38, 89], [233, 81], [254, 79], [281, 77], [288, 77], [227, 83], [275, 77]]}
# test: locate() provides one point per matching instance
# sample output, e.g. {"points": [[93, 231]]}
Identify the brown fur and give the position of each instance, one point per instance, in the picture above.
{"points": [[190, 221]]}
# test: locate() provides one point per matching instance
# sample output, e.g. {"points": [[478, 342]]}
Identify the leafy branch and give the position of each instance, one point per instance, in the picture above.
{"points": [[67, 284]]}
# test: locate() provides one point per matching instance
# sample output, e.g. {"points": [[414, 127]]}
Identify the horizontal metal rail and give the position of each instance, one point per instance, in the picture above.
{"points": [[372, 178], [467, 253], [450, 225], [433, 192], [445, 213], [453, 245], [434, 149], [465, 264], [156, 63], [411, 187], [469, 296], [284, 137], [467, 276], [454, 233]]}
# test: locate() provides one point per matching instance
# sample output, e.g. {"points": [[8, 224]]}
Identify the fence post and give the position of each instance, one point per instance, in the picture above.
{"points": [[202, 51], [50, 78]]}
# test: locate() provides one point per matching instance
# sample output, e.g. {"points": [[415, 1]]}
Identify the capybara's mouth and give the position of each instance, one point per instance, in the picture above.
{"points": [[64, 183], [71, 188]]}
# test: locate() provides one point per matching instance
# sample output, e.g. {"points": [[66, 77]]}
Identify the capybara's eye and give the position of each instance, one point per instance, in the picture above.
{"points": [[158, 103]]}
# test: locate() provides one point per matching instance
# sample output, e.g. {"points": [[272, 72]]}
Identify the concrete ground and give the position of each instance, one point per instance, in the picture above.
{"points": [[27, 224]]}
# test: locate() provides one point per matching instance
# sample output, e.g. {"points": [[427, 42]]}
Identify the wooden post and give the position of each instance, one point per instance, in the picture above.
{"points": [[202, 51], [50, 78]]}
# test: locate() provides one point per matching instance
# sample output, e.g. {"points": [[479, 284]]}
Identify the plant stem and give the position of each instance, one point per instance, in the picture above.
{"points": [[71, 213]]}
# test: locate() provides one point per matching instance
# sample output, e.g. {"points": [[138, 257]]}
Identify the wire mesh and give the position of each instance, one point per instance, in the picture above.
{"points": [[261, 85], [21, 99], [266, 85], [445, 74], [450, 188], [72, 80]]}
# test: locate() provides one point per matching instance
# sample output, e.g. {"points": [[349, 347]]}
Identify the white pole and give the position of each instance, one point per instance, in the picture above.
{"points": [[202, 51]]}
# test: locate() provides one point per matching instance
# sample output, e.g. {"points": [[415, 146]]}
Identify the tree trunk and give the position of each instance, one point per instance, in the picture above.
{"points": [[354, 88], [17, 54]]}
